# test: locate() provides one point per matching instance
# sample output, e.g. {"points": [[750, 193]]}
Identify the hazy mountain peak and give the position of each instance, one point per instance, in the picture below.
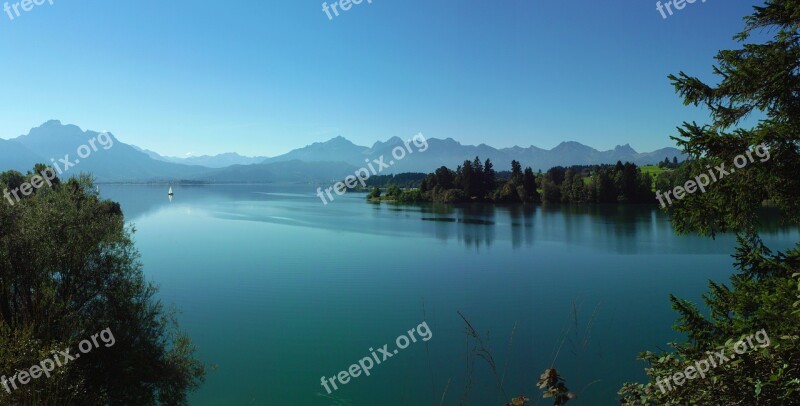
{"points": [[54, 127], [627, 149], [568, 143], [225, 154], [49, 123], [391, 141], [450, 140], [571, 146], [338, 140]]}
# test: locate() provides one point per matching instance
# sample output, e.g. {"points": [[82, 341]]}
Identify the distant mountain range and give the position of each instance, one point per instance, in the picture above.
{"points": [[318, 162], [451, 153], [215, 161]]}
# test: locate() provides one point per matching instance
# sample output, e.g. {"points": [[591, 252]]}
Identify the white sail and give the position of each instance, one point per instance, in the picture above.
{"points": [[170, 191]]}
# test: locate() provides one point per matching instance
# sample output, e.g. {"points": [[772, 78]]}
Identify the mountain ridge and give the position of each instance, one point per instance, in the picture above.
{"points": [[316, 162], [217, 161]]}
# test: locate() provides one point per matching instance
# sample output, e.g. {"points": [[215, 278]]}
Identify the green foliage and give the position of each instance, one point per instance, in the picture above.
{"points": [[412, 196], [489, 176], [667, 164], [763, 296], [375, 193], [531, 194], [12, 180], [474, 181], [763, 79], [653, 171], [759, 78], [18, 348], [516, 172], [507, 194], [403, 180], [68, 269], [445, 178], [620, 183], [393, 192], [478, 182], [551, 192]]}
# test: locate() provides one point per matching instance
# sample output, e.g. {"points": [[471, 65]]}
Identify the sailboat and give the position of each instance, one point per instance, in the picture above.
{"points": [[170, 192]]}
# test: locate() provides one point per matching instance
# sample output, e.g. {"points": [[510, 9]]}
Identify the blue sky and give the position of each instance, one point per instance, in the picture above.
{"points": [[264, 77]]}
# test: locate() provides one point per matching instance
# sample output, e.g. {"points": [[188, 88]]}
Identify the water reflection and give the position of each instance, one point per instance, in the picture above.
{"points": [[621, 229]]}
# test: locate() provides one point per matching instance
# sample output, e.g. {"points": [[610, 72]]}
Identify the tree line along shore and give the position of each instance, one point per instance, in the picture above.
{"points": [[478, 181]]}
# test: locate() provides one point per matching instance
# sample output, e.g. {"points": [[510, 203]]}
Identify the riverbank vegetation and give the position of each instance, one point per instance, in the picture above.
{"points": [[69, 269], [477, 181]]}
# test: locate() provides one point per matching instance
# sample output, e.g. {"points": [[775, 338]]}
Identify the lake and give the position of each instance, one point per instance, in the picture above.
{"points": [[278, 290]]}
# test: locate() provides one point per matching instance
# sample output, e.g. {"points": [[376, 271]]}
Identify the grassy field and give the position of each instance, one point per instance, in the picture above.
{"points": [[653, 171], [650, 170]]}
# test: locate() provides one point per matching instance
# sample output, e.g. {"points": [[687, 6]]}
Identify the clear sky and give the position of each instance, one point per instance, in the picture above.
{"points": [[261, 77]]}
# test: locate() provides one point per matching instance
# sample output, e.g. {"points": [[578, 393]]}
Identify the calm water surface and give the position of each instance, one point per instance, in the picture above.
{"points": [[278, 290]]}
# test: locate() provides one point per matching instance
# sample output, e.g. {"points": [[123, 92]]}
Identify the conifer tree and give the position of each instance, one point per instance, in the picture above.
{"points": [[757, 79]]}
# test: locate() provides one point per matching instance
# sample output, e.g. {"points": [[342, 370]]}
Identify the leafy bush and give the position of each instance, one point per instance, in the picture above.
{"points": [[68, 269], [375, 193]]}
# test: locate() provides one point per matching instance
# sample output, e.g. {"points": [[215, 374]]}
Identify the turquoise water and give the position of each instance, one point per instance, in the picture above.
{"points": [[278, 290]]}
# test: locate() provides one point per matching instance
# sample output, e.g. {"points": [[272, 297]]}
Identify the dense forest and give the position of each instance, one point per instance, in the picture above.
{"points": [[477, 181], [410, 180]]}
